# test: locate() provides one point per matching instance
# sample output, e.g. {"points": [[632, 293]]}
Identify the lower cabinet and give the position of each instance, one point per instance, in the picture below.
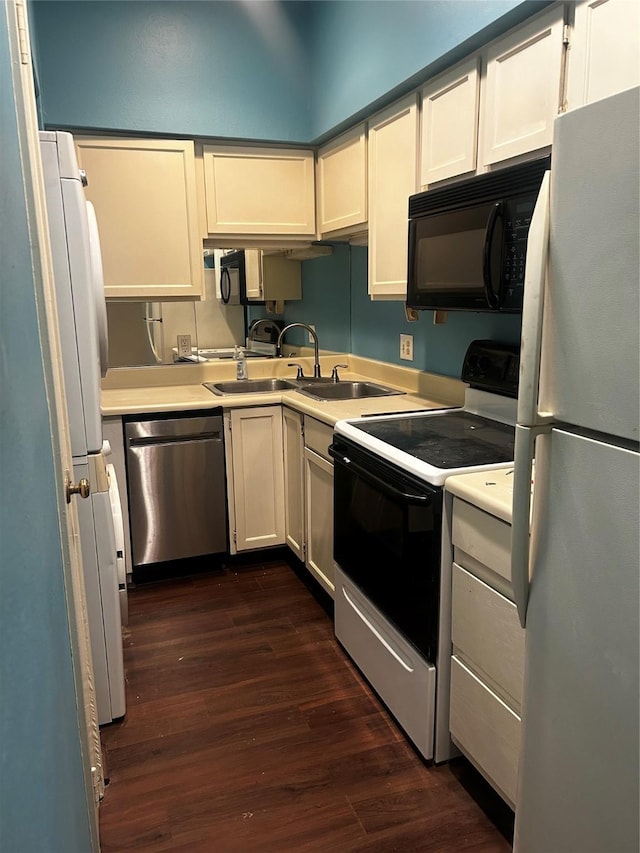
{"points": [[255, 477], [318, 483], [488, 648], [293, 444], [309, 494]]}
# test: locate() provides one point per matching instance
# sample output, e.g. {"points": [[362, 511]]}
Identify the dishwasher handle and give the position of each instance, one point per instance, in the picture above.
{"points": [[163, 430], [153, 441]]}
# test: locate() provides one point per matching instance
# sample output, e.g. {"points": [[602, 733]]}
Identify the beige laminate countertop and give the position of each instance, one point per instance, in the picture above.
{"points": [[150, 396], [492, 491]]}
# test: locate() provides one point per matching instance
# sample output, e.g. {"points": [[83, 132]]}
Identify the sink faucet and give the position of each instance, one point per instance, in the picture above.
{"points": [[312, 332], [254, 328]]}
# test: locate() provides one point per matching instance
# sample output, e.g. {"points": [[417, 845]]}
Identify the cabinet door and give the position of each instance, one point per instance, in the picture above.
{"points": [[605, 50], [258, 477], [259, 191], [392, 173], [450, 123], [144, 194], [522, 94], [342, 182], [253, 273], [293, 481], [318, 476]]}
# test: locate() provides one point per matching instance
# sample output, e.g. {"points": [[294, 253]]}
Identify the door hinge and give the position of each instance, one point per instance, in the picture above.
{"points": [[235, 538], [562, 106], [25, 56]]}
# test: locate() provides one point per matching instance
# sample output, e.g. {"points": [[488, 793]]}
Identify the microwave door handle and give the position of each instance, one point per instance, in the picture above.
{"points": [[382, 485], [225, 285], [489, 292]]}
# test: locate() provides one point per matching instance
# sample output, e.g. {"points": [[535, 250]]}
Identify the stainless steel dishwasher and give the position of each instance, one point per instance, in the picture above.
{"points": [[177, 491]]}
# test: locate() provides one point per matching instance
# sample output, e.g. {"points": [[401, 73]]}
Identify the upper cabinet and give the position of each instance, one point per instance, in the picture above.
{"points": [[271, 278], [342, 184], [144, 194], [392, 174], [604, 57], [259, 192], [521, 96], [450, 123]]}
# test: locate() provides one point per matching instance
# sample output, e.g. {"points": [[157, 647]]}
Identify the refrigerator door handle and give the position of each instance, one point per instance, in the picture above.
{"points": [[520, 538], [534, 287]]}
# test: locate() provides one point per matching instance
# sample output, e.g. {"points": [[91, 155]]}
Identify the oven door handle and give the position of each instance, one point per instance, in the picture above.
{"points": [[382, 485]]}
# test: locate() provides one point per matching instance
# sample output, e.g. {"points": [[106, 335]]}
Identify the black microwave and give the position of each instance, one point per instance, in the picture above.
{"points": [[468, 241], [233, 278]]}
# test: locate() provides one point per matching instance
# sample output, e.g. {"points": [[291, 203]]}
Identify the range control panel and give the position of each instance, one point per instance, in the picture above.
{"points": [[492, 366]]}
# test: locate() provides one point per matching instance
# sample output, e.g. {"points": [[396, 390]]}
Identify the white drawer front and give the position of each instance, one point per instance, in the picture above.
{"points": [[483, 536], [486, 630], [318, 436], [404, 681], [485, 728]]}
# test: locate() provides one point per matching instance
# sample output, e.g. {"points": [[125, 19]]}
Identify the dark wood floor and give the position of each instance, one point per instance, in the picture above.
{"points": [[248, 729]]}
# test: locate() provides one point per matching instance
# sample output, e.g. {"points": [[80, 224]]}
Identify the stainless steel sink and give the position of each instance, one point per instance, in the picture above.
{"points": [[249, 386], [345, 390]]}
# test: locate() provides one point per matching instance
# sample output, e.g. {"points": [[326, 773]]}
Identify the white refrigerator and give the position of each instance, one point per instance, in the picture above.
{"points": [[576, 574], [81, 311]]}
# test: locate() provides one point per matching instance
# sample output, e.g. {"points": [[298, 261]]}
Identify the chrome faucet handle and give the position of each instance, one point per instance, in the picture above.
{"points": [[300, 372], [334, 372]]}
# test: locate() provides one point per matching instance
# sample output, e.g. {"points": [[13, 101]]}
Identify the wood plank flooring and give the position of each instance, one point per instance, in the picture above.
{"points": [[248, 729]]}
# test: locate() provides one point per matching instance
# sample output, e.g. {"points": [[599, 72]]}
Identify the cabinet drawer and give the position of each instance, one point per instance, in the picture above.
{"points": [[486, 630], [318, 436], [485, 728], [484, 537]]}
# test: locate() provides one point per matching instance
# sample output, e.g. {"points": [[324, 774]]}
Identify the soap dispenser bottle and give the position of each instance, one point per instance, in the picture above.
{"points": [[241, 366]]}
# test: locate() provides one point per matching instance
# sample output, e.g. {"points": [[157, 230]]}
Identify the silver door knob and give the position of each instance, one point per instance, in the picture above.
{"points": [[82, 488]]}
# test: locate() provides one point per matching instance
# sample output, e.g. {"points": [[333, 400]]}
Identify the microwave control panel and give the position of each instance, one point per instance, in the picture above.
{"points": [[517, 219]]}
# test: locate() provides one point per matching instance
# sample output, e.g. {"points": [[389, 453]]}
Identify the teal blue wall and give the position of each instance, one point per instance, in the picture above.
{"points": [[42, 796], [175, 67], [376, 328]]}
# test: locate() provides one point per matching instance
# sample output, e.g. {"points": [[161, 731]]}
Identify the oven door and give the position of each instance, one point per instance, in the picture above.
{"points": [[387, 533]]}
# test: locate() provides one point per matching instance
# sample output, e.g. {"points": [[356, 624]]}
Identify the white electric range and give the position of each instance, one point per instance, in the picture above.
{"points": [[391, 610]]}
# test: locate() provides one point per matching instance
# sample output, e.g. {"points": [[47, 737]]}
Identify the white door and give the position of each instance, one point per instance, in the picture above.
{"points": [[578, 785], [590, 373], [521, 96], [258, 477], [28, 143], [318, 478], [605, 50], [392, 176]]}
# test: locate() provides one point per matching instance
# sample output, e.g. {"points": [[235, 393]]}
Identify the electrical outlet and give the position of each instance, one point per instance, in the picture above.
{"points": [[406, 347], [184, 346], [309, 336]]}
